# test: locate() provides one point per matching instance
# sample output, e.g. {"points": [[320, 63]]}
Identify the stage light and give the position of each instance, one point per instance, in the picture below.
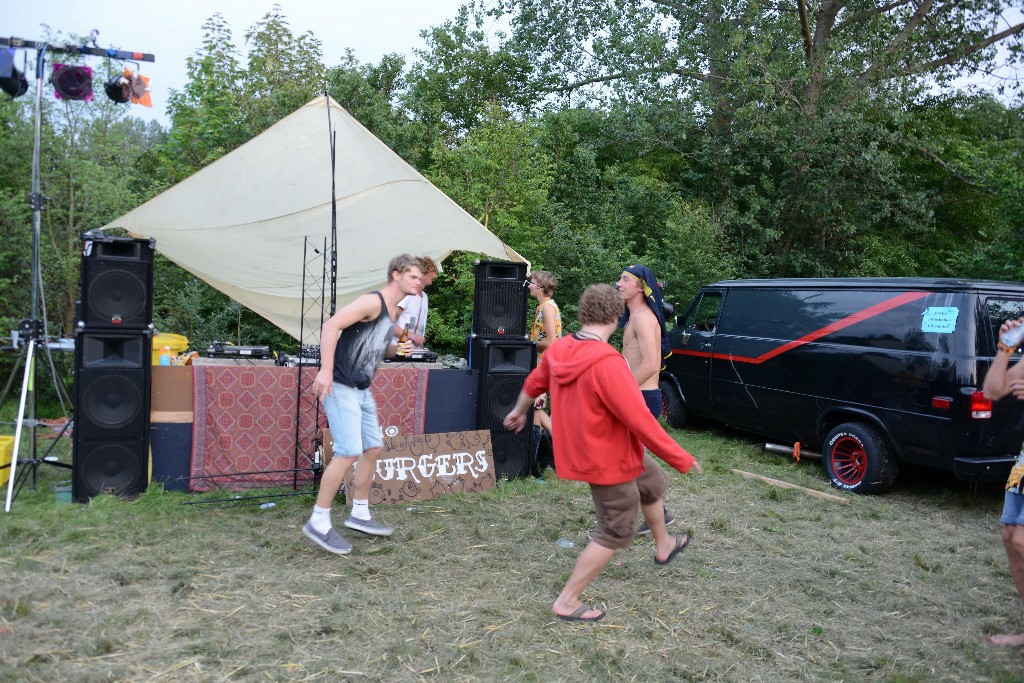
{"points": [[118, 89], [12, 81], [139, 88], [72, 82]]}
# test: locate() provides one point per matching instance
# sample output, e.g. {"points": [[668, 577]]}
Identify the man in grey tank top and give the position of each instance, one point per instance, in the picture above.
{"points": [[353, 342]]}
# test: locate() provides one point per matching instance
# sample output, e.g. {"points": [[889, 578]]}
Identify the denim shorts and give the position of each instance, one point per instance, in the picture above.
{"points": [[1013, 508], [352, 417]]}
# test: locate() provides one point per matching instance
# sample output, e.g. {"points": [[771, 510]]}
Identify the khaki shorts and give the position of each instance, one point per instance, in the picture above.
{"points": [[616, 505]]}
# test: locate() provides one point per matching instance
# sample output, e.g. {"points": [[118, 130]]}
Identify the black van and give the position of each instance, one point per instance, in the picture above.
{"points": [[870, 371]]}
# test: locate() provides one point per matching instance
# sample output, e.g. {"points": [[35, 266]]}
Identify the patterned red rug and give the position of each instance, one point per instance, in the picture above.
{"points": [[245, 422]]}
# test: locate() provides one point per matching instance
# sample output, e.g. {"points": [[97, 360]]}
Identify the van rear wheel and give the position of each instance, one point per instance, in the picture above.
{"points": [[858, 459], [672, 406]]}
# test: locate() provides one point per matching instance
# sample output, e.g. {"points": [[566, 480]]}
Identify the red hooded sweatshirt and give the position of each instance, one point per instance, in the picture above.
{"points": [[600, 422]]}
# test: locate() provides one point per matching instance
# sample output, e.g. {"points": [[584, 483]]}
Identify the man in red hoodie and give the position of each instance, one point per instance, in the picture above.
{"points": [[603, 443]]}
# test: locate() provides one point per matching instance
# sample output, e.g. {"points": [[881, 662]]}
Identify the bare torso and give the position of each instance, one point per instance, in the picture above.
{"points": [[641, 346]]}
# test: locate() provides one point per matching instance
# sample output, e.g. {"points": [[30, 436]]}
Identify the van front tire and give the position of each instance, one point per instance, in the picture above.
{"points": [[672, 405], [857, 459]]}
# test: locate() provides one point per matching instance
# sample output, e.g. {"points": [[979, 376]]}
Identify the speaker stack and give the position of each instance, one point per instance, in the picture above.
{"points": [[500, 350], [113, 368]]}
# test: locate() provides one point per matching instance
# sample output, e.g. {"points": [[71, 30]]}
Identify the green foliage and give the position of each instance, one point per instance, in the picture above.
{"points": [[205, 115], [371, 94], [460, 76], [451, 304], [284, 72], [802, 143], [224, 105], [500, 174], [976, 150], [15, 214]]}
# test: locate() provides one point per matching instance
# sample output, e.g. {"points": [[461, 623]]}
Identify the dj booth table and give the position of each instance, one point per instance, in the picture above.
{"points": [[216, 423]]}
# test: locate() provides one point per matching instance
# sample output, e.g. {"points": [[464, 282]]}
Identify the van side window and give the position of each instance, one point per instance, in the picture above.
{"points": [[999, 311], [796, 314], [705, 314]]}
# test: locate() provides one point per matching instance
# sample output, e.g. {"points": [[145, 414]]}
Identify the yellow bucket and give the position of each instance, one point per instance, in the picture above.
{"points": [[6, 453], [175, 343]]}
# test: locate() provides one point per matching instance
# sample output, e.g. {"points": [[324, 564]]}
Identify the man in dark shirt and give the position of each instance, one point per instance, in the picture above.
{"points": [[353, 342]]}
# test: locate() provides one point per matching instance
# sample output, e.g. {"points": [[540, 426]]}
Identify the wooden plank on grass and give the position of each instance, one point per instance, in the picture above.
{"points": [[787, 485]]}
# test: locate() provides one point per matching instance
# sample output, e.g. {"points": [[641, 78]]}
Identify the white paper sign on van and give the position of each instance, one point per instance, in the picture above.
{"points": [[940, 319]]}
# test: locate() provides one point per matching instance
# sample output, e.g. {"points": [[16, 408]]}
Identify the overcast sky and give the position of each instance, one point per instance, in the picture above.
{"points": [[172, 31]]}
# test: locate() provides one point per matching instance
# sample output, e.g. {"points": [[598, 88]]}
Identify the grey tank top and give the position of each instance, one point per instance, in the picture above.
{"points": [[361, 348]]}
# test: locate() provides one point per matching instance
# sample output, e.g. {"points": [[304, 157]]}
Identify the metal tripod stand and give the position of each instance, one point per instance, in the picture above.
{"points": [[33, 331], [33, 328]]}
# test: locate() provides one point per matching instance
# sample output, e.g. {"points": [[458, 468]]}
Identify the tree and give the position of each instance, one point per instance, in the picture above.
{"points": [[803, 105], [500, 174], [284, 72], [981, 143], [205, 115], [371, 93], [459, 76], [15, 218]]}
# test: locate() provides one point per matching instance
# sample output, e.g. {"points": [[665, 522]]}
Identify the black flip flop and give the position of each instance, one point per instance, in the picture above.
{"points": [[577, 615], [675, 551]]}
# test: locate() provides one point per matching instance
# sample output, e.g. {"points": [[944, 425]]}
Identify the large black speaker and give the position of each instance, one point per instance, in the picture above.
{"points": [[117, 283], [112, 402], [499, 300], [504, 367]]}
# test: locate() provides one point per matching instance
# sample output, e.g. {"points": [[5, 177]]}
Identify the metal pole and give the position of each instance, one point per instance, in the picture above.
{"points": [[36, 202], [35, 199]]}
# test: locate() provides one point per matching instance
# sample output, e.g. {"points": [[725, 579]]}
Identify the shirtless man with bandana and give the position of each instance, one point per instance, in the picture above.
{"points": [[644, 340]]}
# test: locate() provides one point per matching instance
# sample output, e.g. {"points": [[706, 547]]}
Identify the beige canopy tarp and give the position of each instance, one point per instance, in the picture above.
{"points": [[241, 223]]}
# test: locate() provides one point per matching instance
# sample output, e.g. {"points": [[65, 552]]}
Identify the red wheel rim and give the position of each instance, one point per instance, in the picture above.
{"points": [[849, 461]]}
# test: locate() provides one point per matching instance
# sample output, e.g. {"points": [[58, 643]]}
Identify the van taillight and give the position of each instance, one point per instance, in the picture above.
{"points": [[981, 407]]}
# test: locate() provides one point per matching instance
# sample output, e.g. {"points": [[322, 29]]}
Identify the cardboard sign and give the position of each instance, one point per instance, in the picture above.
{"points": [[427, 466]]}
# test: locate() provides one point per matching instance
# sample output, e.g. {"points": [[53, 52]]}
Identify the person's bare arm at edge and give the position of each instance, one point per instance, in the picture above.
{"points": [[647, 333], [363, 309], [516, 418], [1001, 379]]}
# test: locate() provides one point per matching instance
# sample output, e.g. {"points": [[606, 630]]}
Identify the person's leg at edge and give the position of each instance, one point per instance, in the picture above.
{"points": [[652, 397], [666, 519], [366, 465], [651, 487], [589, 564], [330, 481], [615, 507], [343, 416], [1013, 541], [361, 479], [542, 419], [665, 543]]}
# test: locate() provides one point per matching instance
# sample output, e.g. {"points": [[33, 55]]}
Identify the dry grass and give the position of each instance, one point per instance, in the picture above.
{"points": [[777, 586]]}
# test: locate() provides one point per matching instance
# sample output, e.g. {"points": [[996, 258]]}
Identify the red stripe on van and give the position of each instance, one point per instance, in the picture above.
{"points": [[869, 312]]}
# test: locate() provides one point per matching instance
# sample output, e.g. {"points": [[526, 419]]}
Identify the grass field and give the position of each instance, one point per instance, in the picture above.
{"points": [[777, 586]]}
